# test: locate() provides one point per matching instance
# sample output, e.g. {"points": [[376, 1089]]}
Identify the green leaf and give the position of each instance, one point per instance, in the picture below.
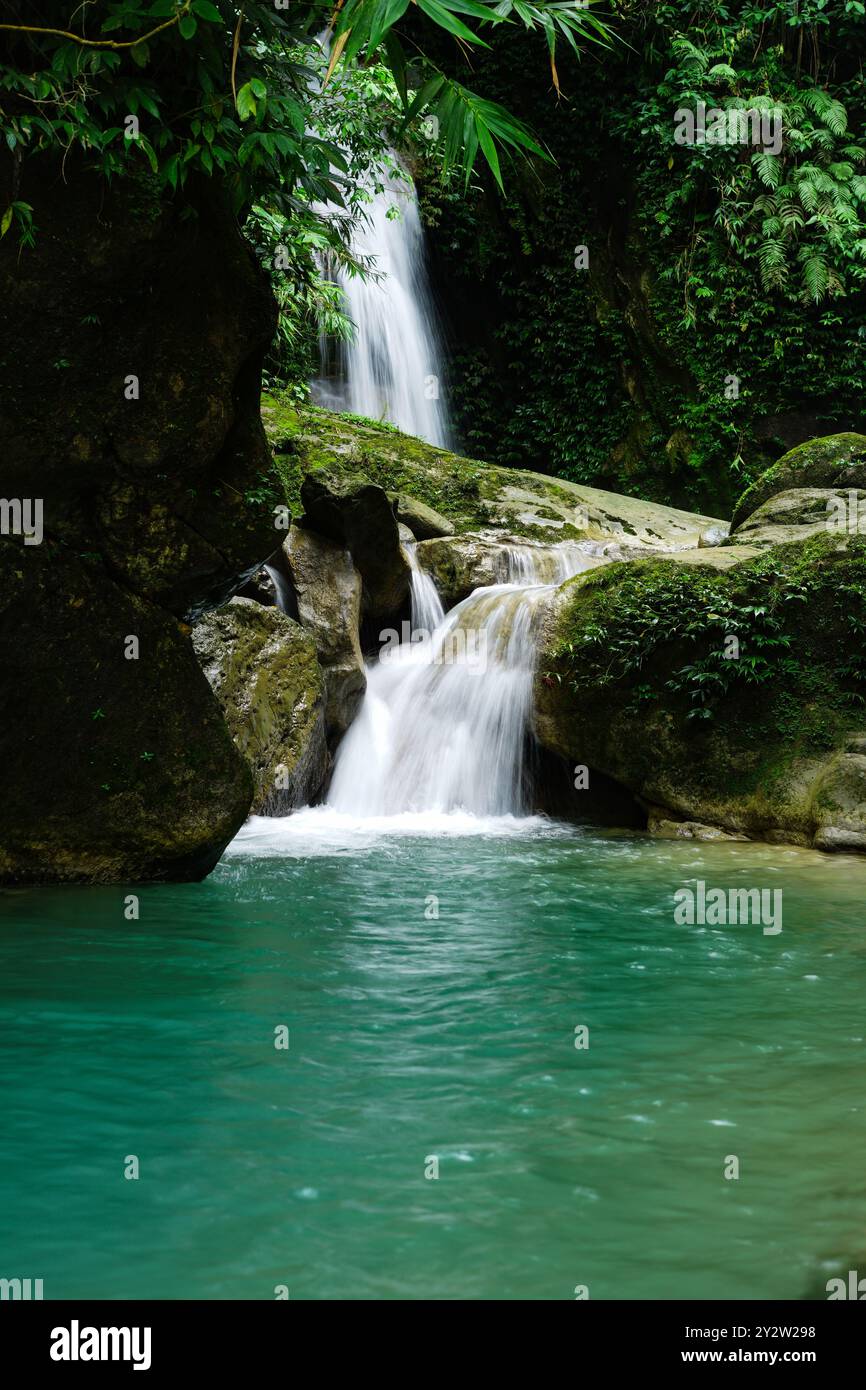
{"points": [[387, 14], [187, 26], [246, 102], [446, 20], [6, 222], [144, 144], [205, 10], [488, 149], [423, 97], [397, 63]]}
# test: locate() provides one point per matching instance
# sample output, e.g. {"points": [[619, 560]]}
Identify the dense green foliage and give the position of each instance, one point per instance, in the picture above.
{"points": [[233, 87], [659, 632], [293, 107], [721, 317]]}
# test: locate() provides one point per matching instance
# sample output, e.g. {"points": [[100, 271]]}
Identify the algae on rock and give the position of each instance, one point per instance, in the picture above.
{"points": [[722, 693], [263, 669], [832, 461]]}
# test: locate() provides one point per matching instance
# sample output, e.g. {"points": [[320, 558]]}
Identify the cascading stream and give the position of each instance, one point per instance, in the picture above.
{"points": [[443, 724], [393, 367], [427, 610]]}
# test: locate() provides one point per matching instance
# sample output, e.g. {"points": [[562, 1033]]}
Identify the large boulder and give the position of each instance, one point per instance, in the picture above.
{"points": [[328, 590], [798, 513], [117, 763], [263, 669], [721, 687], [357, 515], [131, 339], [472, 496], [835, 461], [466, 516]]}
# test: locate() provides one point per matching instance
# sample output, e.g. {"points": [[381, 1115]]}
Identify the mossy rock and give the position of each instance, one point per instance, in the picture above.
{"points": [[307, 439], [263, 669], [117, 762], [328, 591], [798, 513], [425, 523], [173, 488], [722, 693], [834, 461], [156, 508], [354, 513], [472, 496]]}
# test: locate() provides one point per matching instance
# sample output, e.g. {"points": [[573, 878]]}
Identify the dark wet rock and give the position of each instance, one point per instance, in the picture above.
{"points": [[328, 589], [263, 669], [130, 347], [116, 767], [357, 515]]}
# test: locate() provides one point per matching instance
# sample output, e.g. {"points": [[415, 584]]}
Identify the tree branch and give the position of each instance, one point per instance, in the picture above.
{"points": [[99, 43]]}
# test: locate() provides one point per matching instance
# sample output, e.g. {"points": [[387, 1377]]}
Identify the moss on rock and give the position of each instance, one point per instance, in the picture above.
{"points": [[263, 669], [721, 693], [836, 460], [471, 495]]}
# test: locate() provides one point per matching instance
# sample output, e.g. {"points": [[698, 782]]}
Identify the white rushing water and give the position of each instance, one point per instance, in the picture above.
{"points": [[443, 722], [439, 743], [427, 610], [393, 369]]}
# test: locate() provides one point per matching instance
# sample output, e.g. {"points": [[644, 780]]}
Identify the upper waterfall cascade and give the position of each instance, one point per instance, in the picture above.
{"points": [[393, 369]]}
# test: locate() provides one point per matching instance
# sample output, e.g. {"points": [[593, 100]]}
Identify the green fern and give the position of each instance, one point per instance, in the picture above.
{"points": [[816, 274]]}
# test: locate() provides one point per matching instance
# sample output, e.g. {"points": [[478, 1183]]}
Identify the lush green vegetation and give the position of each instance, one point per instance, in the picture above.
{"points": [[720, 318], [293, 107], [722, 315], [659, 633]]}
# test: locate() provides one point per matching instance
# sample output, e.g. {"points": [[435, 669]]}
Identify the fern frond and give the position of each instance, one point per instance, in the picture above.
{"points": [[815, 274], [723, 71], [769, 168], [695, 58]]}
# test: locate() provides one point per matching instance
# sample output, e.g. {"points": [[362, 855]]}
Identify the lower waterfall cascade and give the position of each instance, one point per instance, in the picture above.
{"points": [[441, 733]]}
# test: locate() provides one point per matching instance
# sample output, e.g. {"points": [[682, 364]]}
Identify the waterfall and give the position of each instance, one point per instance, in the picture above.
{"points": [[443, 721], [427, 610], [393, 368], [533, 564], [443, 724], [286, 601]]}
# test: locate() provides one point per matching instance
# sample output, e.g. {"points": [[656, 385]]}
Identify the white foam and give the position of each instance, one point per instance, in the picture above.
{"points": [[324, 830]]}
